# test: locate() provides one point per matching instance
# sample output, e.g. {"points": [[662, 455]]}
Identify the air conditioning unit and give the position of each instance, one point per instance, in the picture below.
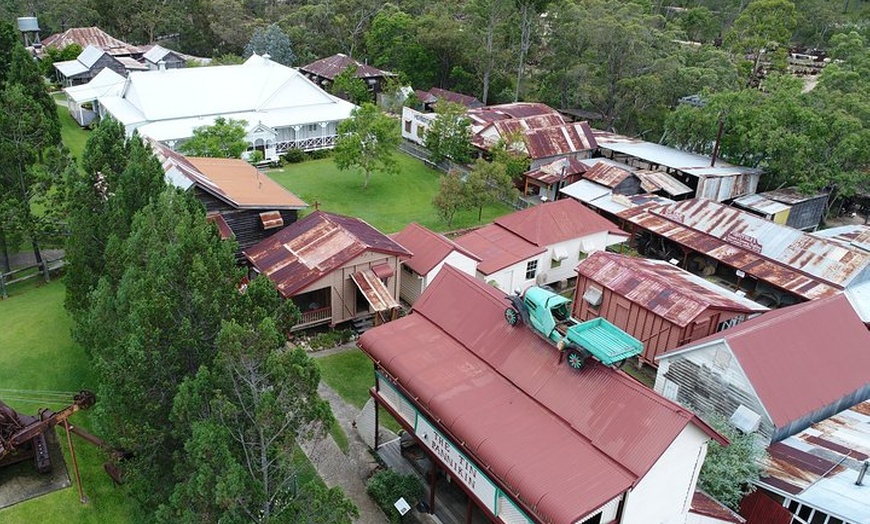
{"points": [[745, 419], [593, 296], [541, 279]]}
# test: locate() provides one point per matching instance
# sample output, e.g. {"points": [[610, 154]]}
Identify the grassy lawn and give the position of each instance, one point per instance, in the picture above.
{"points": [[350, 375], [73, 136], [36, 353], [389, 203]]}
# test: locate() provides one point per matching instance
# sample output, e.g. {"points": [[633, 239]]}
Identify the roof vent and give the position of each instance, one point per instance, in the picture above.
{"points": [[862, 472], [267, 56]]}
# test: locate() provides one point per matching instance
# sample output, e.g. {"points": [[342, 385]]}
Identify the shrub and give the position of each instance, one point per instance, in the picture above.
{"points": [[387, 486], [317, 154], [256, 156], [294, 156], [330, 339]]}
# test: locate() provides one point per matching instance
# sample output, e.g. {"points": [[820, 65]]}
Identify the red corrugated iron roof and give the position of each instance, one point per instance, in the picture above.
{"points": [[454, 97], [798, 262], [553, 222], [607, 174], [429, 248], [799, 359], [334, 65], [564, 139], [497, 248], [224, 229], [703, 504], [314, 246], [564, 443], [374, 290], [666, 290], [85, 36]]}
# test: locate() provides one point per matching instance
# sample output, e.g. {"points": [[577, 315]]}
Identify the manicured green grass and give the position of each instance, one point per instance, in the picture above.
{"points": [[36, 353], [350, 375], [389, 203], [73, 136]]}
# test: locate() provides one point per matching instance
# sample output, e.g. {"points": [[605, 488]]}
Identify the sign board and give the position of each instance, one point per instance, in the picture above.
{"points": [[462, 468], [742, 240], [402, 506]]}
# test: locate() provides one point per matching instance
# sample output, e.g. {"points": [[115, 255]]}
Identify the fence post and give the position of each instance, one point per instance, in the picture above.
{"points": [[45, 273], [3, 285]]}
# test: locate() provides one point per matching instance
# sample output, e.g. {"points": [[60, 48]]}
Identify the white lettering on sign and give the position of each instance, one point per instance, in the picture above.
{"points": [[742, 240], [462, 468]]}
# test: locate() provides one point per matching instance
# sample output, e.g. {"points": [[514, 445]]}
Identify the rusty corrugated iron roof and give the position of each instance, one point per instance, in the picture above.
{"points": [[854, 235], [487, 114], [314, 246], [85, 36], [563, 139], [820, 465], [454, 97], [567, 170], [429, 248], [607, 174], [799, 359], [666, 290], [332, 66], [497, 248], [652, 181], [564, 443], [787, 258], [703, 504], [761, 204], [224, 229], [376, 293]]}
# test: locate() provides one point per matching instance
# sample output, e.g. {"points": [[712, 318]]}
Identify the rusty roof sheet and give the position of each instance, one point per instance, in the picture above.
{"points": [[564, 443], [791, 195], [429, 248], [800, 359], [566, 169], [703, 504], [653, 181], [497, 248], [218, 220], [666, 290], [85, 36], [854, 235], [488, 114], [314, 246], [232, 180], [607, 174], [563, 139], [819, 466], [553, 222], [376, 293], [454, 97], [334, 65], [787, 258]]}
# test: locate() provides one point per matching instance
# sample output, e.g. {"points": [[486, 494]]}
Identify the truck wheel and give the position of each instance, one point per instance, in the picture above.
{"points": [[511, 316], [576, 358]]}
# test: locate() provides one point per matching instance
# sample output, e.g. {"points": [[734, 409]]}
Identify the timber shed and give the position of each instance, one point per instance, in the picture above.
{"points": [[323, 72], [530, 439], [658, 303], [335, 268], [776, 374], [244, 203]]}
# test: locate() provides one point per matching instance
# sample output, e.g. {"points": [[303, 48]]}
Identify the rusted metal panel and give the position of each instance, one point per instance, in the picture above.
{"points": [[653, 181], [334, 65], [607, 175], [271, 219], [376, 293], [223, 228], [758, 508], [805, 265], [566, 170], [85, 36], [703, 504], [487, 114]]}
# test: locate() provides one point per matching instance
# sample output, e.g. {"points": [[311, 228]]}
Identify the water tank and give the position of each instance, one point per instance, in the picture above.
{"points": [[27, 24]]}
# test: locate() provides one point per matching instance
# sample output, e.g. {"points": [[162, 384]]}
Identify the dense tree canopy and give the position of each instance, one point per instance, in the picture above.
{"points": [[223, 139]]}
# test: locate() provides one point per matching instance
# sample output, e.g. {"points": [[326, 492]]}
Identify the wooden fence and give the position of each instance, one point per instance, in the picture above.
{"points": [[27, 272]]}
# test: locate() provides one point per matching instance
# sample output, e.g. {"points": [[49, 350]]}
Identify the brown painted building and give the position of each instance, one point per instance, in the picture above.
{"points": [[660, 304]]}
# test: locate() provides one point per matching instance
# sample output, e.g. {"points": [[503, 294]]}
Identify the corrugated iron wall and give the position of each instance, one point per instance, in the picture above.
{"points": [[758, 508]]}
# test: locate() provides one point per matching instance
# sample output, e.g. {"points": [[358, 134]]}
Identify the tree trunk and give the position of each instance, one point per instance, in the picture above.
{"points": [[37, 254], [4, 253], [525, 37]]}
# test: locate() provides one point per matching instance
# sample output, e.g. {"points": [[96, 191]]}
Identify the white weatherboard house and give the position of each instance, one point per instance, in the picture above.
{"points": [[282, 109]]}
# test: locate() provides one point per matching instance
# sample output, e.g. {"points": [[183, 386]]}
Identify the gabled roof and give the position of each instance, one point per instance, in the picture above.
{"points": [[232, 180], [560, 169], [314, 246], [454, 97], [652, 181], [563, 139], [799, 359], [82, 64], [487, 114], [553, 222], [429, 248], [158, 53], [798, 262], [106, 83], [85, 36], [666, 290], [562, 442], [497, 248], [332, 66]]}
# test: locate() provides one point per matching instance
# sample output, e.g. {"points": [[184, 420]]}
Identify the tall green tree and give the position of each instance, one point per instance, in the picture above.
{"points": [[488, 183], [450, 198], [226, 138], [449, 135], [350, 87], [271, 40], [367, 140], [764, 25], [489, 19]]}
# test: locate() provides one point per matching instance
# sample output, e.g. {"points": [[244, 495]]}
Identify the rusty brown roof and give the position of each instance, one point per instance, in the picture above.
{"points": [[454, 97], [607, 174], [565, 169], [487, 114], [232, 180], [334, 65], [703, 504], [563, 139], [314, 246], [789, 259], [652, 181], [666, 290], [428, 247], [561, 442], [376, 293], [85, 36]]}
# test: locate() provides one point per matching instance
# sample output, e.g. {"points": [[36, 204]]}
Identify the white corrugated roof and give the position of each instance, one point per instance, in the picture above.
{"points": [[585, 191], [70, 68], [90, 55], [106, 83], [155, 54], [859, 297]]}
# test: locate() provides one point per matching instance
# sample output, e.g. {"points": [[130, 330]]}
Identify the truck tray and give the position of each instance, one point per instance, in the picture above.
{"points": [[604, 341]]}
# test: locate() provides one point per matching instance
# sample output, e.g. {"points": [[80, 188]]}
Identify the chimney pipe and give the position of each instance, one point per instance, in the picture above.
{"points": [[862, 472]]}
